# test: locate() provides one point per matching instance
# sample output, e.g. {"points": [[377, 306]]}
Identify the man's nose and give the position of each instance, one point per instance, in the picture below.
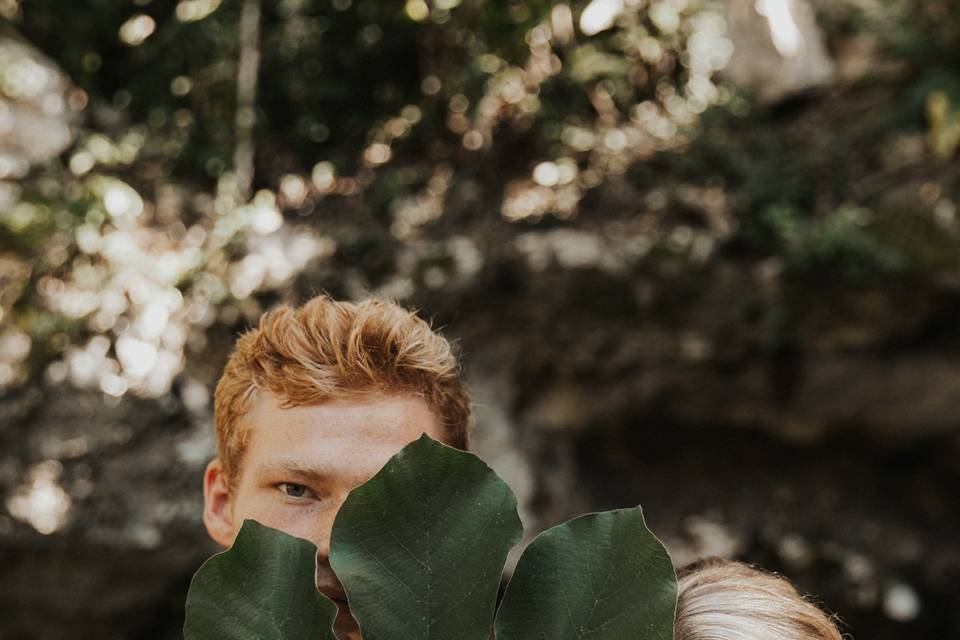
{"points": [[324, 526]]}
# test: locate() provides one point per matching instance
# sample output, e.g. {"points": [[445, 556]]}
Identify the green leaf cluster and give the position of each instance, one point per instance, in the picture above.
{"points": [[420, 550]]}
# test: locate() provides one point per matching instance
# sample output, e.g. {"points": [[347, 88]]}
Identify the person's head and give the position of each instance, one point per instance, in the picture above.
{"points": [[726, 600], [312, 403]]}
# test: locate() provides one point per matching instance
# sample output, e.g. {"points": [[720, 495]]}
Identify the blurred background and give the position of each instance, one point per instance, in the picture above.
{"points": [[701, 256]]}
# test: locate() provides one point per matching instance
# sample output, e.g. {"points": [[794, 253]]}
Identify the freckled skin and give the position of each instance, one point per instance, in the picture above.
{"points": [[346, 440]]}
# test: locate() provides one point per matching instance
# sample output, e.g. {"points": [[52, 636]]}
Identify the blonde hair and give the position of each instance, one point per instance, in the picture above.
{"points": [[726, 600], [328, 349]]}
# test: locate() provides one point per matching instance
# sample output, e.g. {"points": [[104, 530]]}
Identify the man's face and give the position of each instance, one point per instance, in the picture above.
{"points": [[299, 465]]}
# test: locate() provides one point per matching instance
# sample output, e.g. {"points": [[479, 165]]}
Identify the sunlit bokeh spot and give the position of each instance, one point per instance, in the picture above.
{"points": [[265, 218], [82, 162], [417, 10], [901, 602], [40, 501], [193, 10], [180, 86], [137, 357], [473, 140], [377, 153], [665, 14], [293, 188], [600, 15], [546, 174], [137, 29], [121, 200], [783, 28], [323, 176]]}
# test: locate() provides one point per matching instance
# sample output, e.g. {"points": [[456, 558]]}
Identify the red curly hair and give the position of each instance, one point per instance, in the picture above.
{"points": [[332, 349]]}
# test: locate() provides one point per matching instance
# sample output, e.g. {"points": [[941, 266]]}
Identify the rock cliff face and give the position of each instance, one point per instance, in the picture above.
{"points": [[836, 465], [779, 50]]}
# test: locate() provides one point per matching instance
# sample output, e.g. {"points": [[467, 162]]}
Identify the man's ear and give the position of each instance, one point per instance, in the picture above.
{"points": [[217, 507]]}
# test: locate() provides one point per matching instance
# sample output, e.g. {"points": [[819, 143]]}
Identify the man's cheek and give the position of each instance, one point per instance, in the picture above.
{"points": [[261, 509], [295, 520]]}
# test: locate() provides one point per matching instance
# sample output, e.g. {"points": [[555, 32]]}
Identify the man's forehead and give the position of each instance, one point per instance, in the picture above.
{"points": [[336, 434], [373, 412]]}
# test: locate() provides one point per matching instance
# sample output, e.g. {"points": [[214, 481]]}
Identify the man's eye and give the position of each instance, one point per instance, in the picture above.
{"points": [[294, 490]]}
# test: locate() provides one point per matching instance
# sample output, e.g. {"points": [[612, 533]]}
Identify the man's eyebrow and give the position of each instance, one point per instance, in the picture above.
{"points": [[293, 468]]}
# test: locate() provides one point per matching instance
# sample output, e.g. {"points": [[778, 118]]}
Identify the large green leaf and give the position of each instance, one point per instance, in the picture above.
{"points": [[600, 576], [262, 588], [420, 548]]}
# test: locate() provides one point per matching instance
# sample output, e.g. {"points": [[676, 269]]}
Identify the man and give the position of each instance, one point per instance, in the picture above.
{"points": [[312, 404]]}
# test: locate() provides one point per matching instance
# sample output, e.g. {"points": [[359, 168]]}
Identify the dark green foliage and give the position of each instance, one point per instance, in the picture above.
{"points": [[421, 546], [420, 549], [465, 99], [263, 587], [580, 579]]}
